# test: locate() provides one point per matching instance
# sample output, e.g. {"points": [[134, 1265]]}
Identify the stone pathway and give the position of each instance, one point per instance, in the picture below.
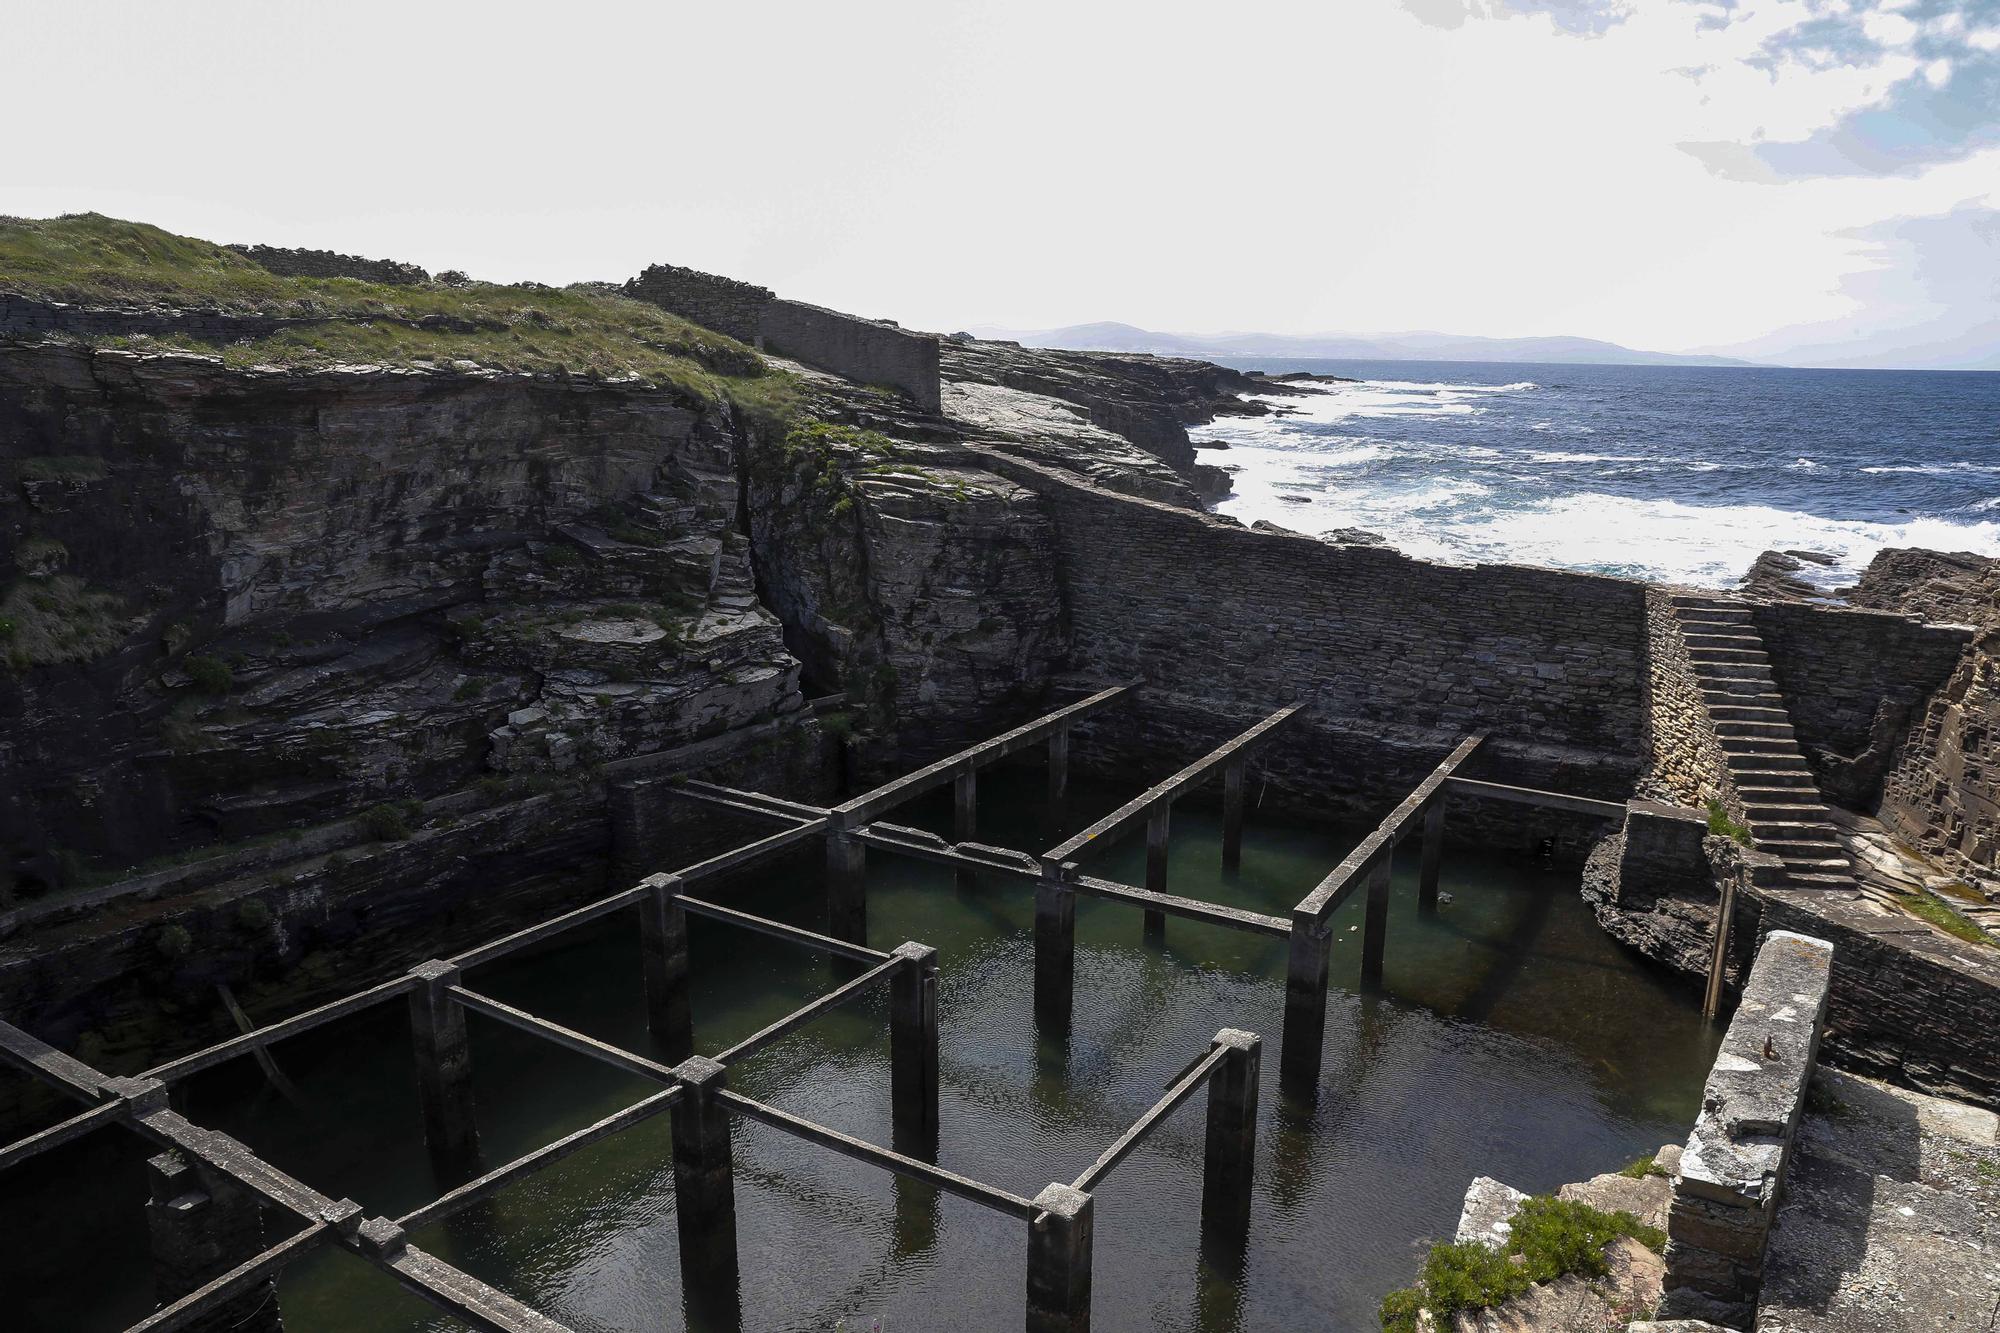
{"points": [[1781, 800], [1891, 1217]]}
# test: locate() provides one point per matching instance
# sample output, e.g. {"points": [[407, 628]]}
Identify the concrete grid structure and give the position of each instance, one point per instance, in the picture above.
{"points": [[210, 1190]]}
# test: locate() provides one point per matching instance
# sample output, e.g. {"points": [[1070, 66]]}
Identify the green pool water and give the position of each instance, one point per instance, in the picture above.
{"points": [[1513, 1039]]}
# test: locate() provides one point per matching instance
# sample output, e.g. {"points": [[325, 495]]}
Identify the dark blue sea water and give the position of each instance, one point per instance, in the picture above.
{"points": [[1668, 472]]}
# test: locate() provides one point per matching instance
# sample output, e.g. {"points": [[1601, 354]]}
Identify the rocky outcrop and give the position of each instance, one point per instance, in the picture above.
{"points": [[243, 601], [1775, 575]]}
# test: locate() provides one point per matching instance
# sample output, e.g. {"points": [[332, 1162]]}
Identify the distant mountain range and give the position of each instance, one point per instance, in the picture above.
{"points": [[1113, 337]]}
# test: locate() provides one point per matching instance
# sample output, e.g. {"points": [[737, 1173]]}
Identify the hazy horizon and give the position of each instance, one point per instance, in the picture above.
{"points": [[1809, 181]]}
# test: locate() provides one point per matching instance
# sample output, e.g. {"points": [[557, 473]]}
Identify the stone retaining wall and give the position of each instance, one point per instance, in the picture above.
{"points": [[858, 349], [1943, 796], [1733, 1167], [1853, 682]]}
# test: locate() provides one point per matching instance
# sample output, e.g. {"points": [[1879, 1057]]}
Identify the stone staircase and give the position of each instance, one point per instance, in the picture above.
{"points": [[1780, 799]]}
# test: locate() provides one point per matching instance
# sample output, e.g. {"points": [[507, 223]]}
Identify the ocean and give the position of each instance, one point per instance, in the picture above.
{"points": [[1683, 474]]}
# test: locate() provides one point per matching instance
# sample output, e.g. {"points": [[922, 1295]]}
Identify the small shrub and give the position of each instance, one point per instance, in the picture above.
{"points": [[1722, 826], [1640, 1169], [386, 823], [253, 915], [560, 557], [210, 675], [840, 724], [173, 941]]}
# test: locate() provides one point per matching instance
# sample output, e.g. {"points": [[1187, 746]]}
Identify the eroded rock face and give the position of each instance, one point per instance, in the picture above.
{"points": [[914, 580], [245, 600]]}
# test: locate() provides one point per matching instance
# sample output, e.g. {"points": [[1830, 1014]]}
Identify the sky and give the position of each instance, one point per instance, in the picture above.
{"points": [[1815, 181]]}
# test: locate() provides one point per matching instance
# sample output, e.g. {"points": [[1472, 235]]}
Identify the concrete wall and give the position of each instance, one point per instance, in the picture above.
{"points": [[722, 304], [1733, 1168], [856, 348], [1854, 681]]}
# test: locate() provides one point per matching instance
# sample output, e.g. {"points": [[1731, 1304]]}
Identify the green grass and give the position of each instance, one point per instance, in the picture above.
{"points": [[1550, 1238], [1641, 1168], [1721, 825], [1927, 907], [58, 619], [583, 330]]}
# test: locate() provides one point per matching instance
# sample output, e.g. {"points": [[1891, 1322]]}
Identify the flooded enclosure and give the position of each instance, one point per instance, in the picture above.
{"points": [[1512, 1038]]}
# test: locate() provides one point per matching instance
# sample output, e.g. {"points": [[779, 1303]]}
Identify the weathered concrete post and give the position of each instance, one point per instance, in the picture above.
{"points": [[846, 886], [1718, 958], [1427, 877], [1305, 1007], [965, 819], [913, 1051], [444, 1066], [1058, 773], [663, 944], [1229, 1160], [1232, 815], [1059, 1262], [1375, 923], [201, 1228], [704, 1186], [1158, 825], [1055, 952]]}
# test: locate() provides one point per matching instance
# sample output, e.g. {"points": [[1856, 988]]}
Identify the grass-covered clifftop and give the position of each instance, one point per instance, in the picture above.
{"points": [[88, 259]]}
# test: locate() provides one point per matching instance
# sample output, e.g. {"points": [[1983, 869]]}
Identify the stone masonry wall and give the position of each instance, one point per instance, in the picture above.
{"points": [[859, 349], [1853, 682], [722, 304], [1733, 1167], [1395, 659], [294, 263], [1943, 796], [1684, 758]]}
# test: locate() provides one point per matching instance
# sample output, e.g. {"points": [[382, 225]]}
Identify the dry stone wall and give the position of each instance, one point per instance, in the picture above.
{"points": [[1684, 758], [722, 304], [293, 263]]}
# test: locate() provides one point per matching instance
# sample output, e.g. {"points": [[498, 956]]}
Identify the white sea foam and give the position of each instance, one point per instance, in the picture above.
{"points": [[1803, 465], [1558, 456], [1935, 469]]}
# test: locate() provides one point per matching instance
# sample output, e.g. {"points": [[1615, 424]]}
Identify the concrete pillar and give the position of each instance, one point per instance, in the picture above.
{"points": [[1229, 1159], [913, 1051], [1305, 1007], [846, 887], [1232, 815], [1059, 1262], [965, 819], [1058, 773], [1427, 879], [705, 1191], [1055, 954], [664, 948], [202, 1225], [1158, 826], [1375, 924], [444, 1067]]}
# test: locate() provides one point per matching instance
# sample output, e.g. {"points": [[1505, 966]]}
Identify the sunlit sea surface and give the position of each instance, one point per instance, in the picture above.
{"points": [[1677, 473]]}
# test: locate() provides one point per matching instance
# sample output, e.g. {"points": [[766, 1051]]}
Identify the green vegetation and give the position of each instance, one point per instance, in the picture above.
{"points": [[1550, 1238], [1641, 1168], [1722, 826], [58, 619], [210, 675], [173, 941], [390, 821], [1926, 906], [60, 467], [584, 330]]}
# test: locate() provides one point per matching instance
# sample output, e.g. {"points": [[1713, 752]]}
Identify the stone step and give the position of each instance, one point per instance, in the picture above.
{"points": [[1777, 818], [1772, 782], [1750, 697], [1705, 600], [1813, 841], [1719, 636], [1748, 713], [1803, 880], [1708, 673], [1794, 829], [1745, 726], [1726, 652], [1766, 761], [1712, 615], [1758, 745]]}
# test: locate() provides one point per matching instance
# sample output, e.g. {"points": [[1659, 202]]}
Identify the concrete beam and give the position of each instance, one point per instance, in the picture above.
{"points": [[1547, 800], [1334, 889]]}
